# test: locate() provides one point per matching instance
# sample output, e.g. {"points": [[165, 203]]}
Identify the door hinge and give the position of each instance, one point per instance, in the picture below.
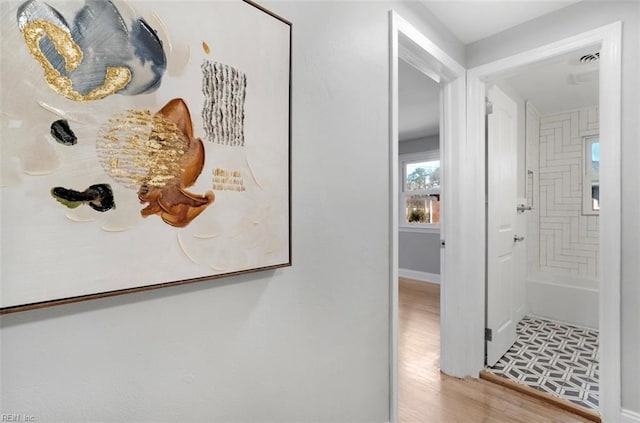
{"points": [[488, 334], [488, 107]]}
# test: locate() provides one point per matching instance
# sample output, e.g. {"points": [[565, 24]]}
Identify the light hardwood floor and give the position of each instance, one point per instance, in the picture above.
{"points": [[428, 396]]}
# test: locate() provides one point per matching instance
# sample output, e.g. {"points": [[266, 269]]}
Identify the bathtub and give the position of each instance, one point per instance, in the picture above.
{"points": [[564, 298]]}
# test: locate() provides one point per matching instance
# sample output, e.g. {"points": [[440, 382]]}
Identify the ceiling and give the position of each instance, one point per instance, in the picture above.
{"points": [[561, 84], [472, 20]]}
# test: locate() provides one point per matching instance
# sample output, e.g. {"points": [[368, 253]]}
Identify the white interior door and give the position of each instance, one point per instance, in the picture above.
{"points": [[502, 134]]}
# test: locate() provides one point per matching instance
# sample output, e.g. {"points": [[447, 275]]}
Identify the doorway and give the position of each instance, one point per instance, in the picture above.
{"points": [[608, 39], [418, 239], [543, 185], [408, 44]]}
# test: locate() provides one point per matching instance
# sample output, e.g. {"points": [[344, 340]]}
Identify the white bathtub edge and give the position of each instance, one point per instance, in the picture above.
{"points": [[563, 302]]}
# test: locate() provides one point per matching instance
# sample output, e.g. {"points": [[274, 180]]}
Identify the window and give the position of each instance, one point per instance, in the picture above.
{"points": [[420, 191], [591, 179]]}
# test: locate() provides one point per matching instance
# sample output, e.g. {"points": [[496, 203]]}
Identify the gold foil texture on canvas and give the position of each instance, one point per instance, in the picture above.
{"points": [[116, 78], [227, 180], [140, 149]]}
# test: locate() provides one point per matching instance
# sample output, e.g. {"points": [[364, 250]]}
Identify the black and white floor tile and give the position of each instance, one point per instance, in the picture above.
{"points": [[556, 358]]}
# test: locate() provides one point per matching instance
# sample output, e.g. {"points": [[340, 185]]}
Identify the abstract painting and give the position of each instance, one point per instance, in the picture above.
{"points": [[143, 144]]}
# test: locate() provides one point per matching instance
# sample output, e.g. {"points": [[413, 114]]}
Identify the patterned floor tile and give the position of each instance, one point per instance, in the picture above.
{"points": [[556, 358]]}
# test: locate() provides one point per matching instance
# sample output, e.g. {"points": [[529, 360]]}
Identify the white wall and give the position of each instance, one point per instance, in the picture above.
{"points": [[307, 343], [419, 252], [561, 24]]}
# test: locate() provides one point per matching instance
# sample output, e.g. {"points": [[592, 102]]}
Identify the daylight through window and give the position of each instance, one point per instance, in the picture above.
{"points": [[591, 181], [421, 193]]}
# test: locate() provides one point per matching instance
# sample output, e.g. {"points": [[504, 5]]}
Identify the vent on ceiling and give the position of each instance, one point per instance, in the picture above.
{"points": [[589, 58]]}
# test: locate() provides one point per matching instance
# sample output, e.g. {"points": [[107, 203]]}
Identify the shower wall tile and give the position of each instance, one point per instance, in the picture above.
{"points": [[568, 241], [533, 154]]}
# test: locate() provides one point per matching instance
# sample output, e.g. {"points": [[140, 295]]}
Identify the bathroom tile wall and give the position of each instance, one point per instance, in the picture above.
{"points": [[532, 139], [568, 239]]}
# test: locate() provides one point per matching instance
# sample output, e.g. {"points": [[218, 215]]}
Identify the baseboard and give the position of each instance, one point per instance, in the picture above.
{"points": [[419, 276], [628, 416]]}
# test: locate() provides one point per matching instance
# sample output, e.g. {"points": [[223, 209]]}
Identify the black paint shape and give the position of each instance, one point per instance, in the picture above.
{"points": [[61, 131], [99, 197]]}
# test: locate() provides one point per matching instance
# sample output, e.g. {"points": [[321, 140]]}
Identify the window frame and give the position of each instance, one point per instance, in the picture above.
{"points": [[588, 176], [406, 159]]}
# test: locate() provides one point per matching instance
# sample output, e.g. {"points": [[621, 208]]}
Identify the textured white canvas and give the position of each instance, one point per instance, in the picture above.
{"points": [[52, 252]]}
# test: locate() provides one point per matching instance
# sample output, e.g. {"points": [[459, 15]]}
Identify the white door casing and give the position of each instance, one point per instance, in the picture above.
{"points": [[407, 42], [502, 136], [609, 37]]}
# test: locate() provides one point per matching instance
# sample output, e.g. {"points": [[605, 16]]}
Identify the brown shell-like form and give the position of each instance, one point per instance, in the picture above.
{"points": [[172, 202], [159, 156]]}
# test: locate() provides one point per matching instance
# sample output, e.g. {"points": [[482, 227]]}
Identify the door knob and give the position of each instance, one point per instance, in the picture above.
{"points": [[517, 238]]}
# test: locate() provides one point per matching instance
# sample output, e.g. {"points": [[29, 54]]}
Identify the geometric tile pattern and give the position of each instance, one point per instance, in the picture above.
{"points": [[555, 358], [568, 239]]}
